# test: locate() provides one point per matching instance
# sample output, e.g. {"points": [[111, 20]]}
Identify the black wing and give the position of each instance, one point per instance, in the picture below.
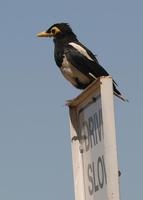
{"points": [[83, 63]]}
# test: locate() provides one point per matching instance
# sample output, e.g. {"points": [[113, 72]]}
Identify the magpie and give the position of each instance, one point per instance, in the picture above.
{"points": [[75, 61]]}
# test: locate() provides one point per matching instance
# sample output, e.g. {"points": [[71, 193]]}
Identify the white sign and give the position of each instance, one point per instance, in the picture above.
{"points": [[95, 166], [92, 149]]}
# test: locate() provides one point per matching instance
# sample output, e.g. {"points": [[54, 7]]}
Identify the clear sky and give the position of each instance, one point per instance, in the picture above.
{"points": [[35, 151]]}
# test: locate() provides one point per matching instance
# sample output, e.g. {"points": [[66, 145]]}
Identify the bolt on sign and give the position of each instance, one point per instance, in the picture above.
{"points": [[93, 141]]}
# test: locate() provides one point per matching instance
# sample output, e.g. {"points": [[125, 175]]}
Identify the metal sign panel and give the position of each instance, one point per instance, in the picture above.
{"points": [[94, 152]]}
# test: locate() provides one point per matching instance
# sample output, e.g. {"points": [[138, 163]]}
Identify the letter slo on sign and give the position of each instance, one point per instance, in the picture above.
{"points": [[96, 173]]}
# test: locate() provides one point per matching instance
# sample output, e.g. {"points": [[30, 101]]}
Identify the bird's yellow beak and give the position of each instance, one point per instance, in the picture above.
{"points": [[44, 34]]}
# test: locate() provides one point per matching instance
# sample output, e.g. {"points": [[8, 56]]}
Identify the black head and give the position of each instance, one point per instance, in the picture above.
{"points": [[58, 31]]}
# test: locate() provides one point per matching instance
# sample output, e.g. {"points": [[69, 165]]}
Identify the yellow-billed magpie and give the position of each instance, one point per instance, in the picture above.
{"points": [[76, 62]]}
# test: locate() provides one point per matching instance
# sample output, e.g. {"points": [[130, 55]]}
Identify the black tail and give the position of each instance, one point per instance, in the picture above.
{"points": [[118, 93]]}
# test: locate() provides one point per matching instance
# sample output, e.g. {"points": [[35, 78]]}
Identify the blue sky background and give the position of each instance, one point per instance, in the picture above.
{"points": [[35, 151]]}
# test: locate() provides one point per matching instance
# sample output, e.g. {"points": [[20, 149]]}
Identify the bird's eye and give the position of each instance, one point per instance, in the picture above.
{"points": [[53, 31]]}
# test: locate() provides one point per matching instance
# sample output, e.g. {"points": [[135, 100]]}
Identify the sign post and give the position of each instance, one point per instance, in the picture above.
{"points": [[93, 141]]}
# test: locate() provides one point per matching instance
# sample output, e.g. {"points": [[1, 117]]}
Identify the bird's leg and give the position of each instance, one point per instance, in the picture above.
{"points": [[79, 137]]}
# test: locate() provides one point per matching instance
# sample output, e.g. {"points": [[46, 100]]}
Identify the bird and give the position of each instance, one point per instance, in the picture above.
{"points": [[75, 61]]}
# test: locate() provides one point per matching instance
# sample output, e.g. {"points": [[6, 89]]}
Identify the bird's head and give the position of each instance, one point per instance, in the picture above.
{"points": [[59, 30]]}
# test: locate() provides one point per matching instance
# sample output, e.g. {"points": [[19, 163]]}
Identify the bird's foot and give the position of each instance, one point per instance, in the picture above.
{"points": [[68, 102]]}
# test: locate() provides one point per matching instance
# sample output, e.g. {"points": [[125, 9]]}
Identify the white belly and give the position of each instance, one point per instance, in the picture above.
{"points": [[72, 74]]}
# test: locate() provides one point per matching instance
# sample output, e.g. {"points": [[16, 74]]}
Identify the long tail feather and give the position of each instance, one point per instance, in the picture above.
{"points": [[118, 94]]}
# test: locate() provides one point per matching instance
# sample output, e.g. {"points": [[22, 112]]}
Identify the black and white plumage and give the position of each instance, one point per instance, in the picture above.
{"points": [[76, 62]]}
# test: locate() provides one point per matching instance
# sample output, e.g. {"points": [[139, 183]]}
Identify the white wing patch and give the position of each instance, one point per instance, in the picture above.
{"points": [[81, 50]]}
